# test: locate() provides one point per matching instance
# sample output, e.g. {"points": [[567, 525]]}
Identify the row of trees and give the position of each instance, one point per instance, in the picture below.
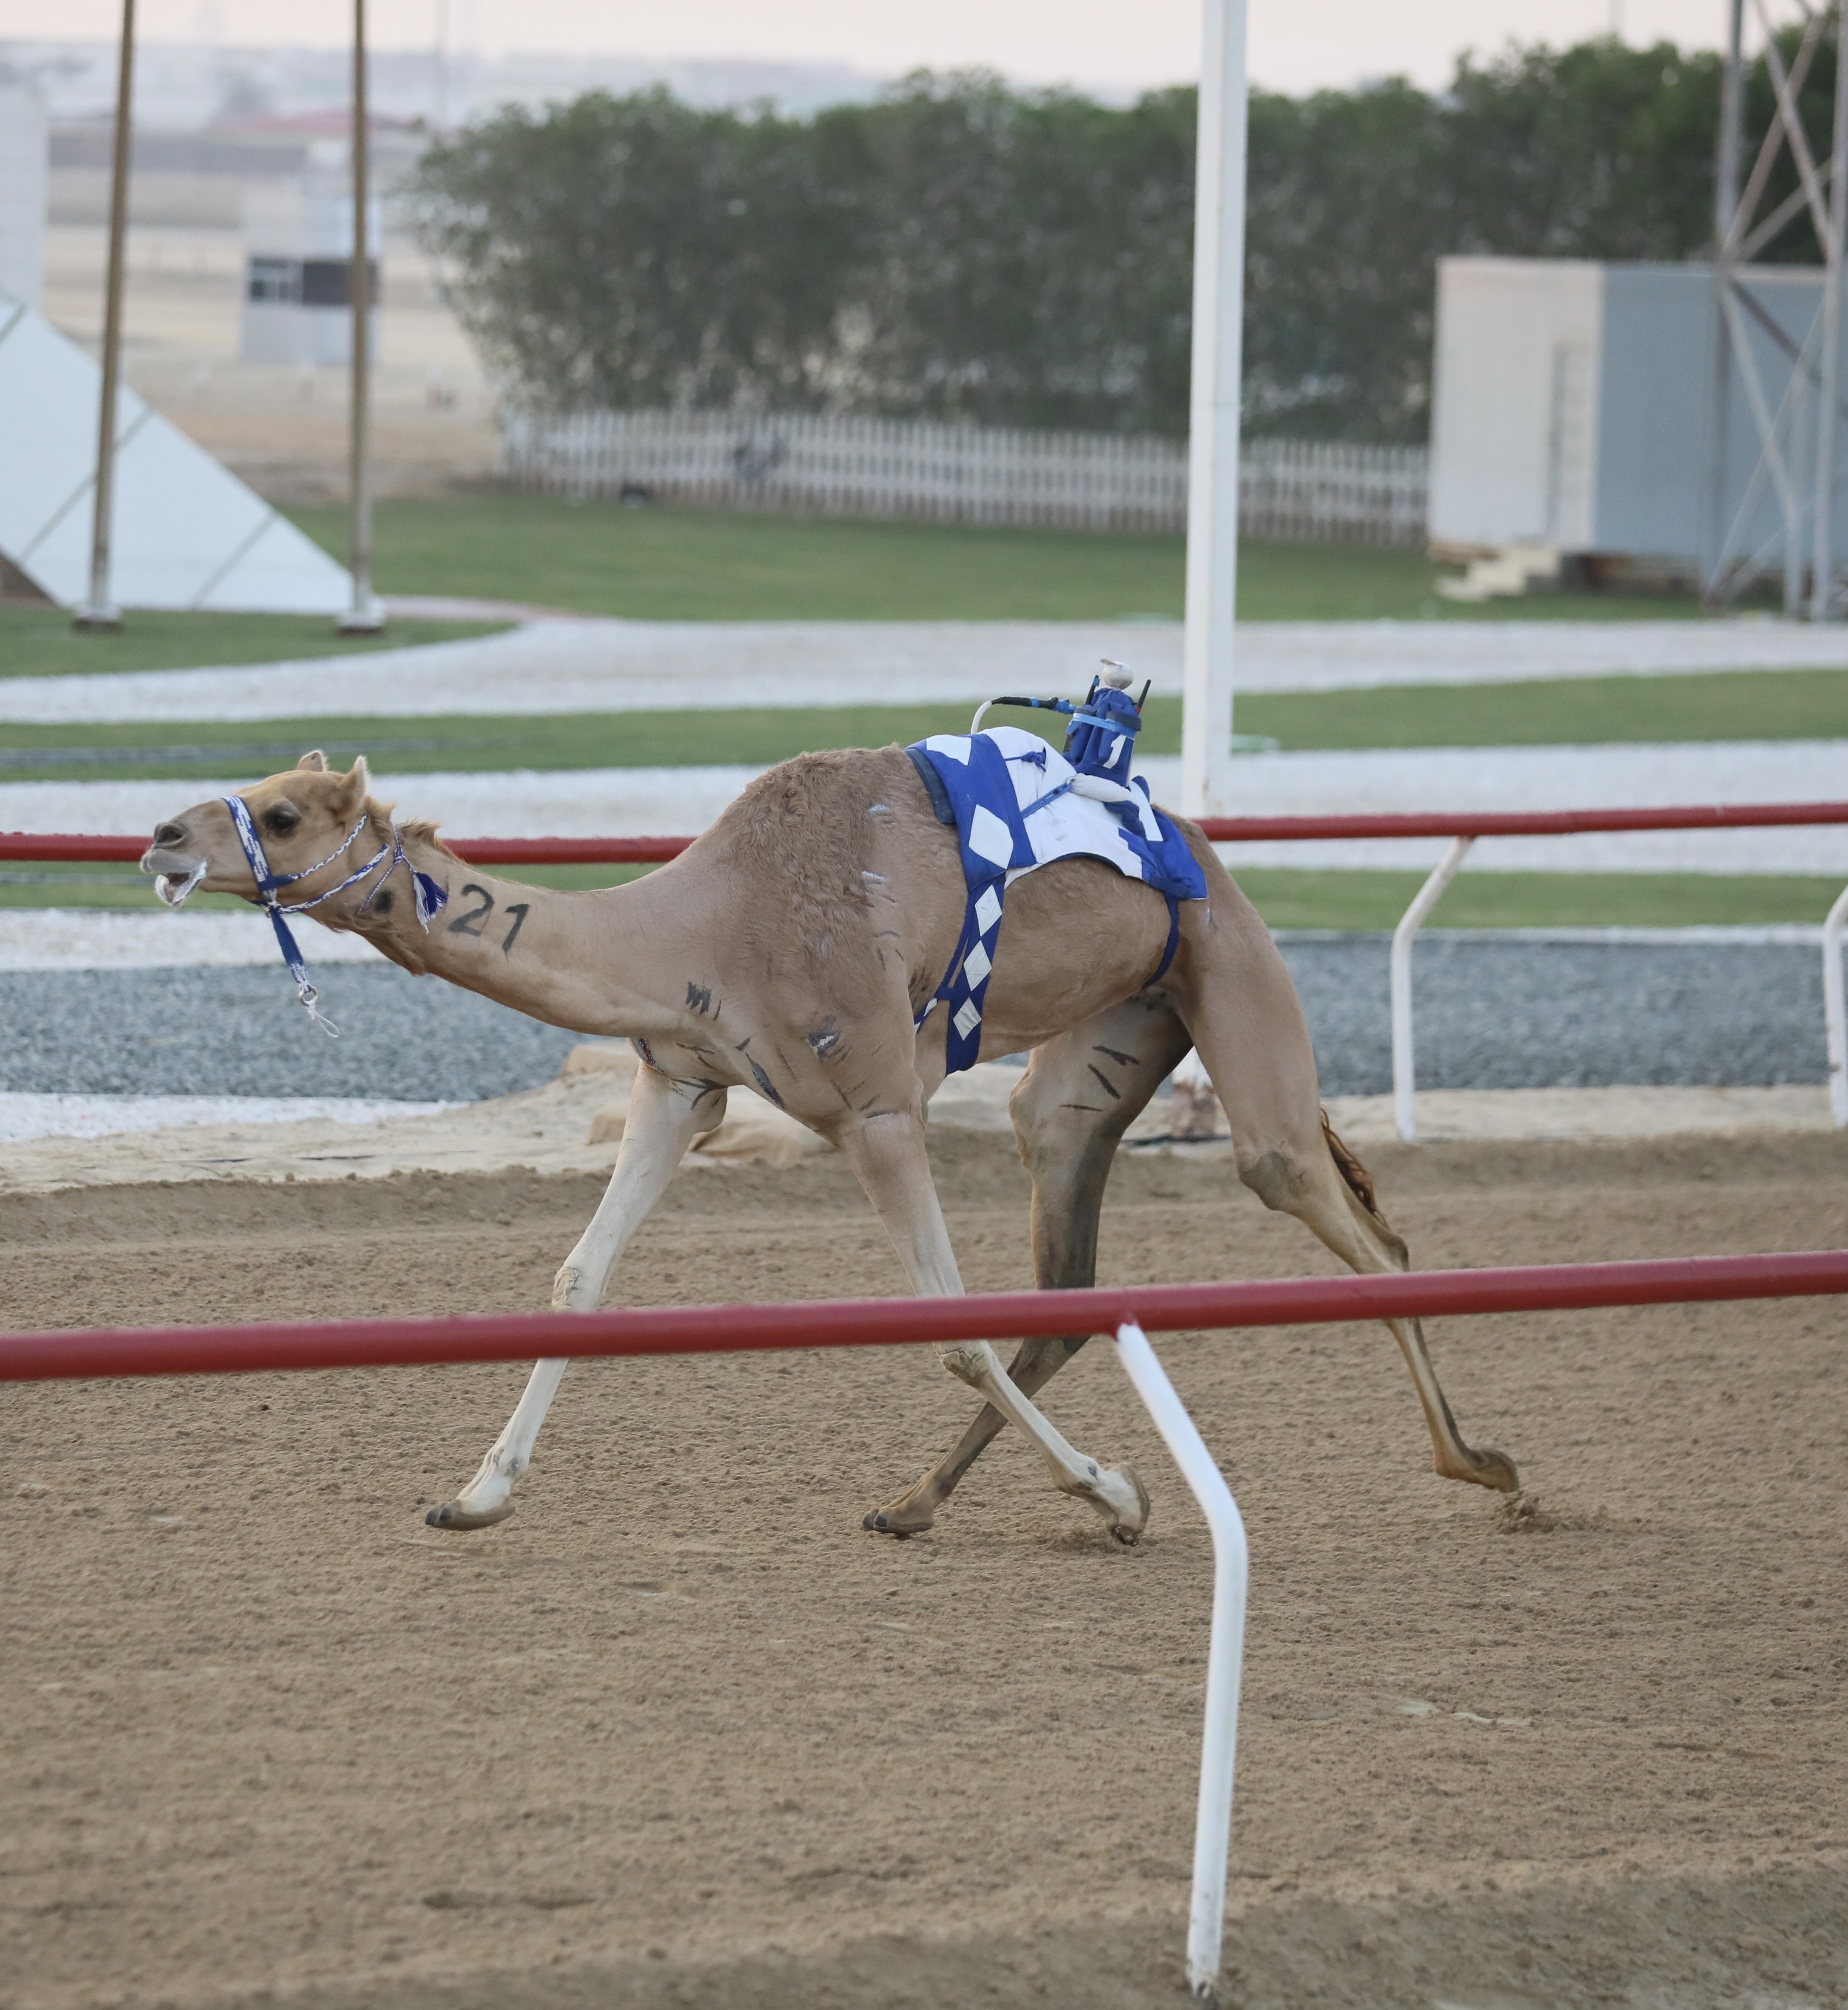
{"points": [[959, 250]]}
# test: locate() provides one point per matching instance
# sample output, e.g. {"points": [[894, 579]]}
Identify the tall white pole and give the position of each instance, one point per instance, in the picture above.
{"points": [[1213, 439]]}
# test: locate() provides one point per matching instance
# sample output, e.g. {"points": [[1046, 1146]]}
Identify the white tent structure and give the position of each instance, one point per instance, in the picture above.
{"points": [[188, 533]]}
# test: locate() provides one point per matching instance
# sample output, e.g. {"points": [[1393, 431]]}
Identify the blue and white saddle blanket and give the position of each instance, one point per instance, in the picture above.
{"points": [[1016, 804]]}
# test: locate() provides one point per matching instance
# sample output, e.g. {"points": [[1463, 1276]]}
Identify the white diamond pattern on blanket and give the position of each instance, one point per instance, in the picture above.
{"points": [[989, 838], [1015, 809]]}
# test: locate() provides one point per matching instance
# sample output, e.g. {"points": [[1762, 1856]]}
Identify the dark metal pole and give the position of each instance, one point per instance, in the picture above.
{"points": [[99, 613], [366, 615]]}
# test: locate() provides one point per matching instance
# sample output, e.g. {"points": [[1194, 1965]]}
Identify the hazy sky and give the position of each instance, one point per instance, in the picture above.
{"points": [[1295, 45]]}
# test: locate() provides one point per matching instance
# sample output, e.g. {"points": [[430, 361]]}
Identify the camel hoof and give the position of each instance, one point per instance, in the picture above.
{"points": [[1128, 1529], [898, 1520], [452, 1514], [1495, 1470]]}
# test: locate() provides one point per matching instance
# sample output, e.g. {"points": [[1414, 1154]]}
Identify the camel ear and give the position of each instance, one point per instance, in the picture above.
{"points": [[353, 785], [315, 762]]}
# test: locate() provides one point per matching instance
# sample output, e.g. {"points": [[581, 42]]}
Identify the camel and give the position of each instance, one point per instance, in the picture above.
{"points": [[787, 953]]}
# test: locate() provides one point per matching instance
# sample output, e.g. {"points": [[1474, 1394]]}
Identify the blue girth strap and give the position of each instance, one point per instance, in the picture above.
{"points": [[993, 840], [430, 898], [1174, 937]]}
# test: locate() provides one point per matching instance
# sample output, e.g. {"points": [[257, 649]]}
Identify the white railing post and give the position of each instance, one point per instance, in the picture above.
{"points": [[1225, 1652], [1835, 1008], [1404, 1065]]}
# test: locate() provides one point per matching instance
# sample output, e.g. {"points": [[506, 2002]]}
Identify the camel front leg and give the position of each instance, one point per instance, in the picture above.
{"points": [[664, 1118], [888, 1156]]}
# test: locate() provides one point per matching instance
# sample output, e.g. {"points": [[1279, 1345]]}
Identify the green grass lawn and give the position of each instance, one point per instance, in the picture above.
{"points": [[660, 563], [1287, 899], [39, 642], [663, 563], [1754, 705]]}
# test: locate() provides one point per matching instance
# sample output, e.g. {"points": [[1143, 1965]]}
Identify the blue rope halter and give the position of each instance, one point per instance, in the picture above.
{"points": [[430, 898]]}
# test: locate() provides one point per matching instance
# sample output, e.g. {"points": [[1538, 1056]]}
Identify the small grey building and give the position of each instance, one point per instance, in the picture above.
{"points": [[1578, 406]]}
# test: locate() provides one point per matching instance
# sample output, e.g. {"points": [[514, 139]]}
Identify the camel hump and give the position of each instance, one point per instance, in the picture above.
{"points": [[808, 817]]}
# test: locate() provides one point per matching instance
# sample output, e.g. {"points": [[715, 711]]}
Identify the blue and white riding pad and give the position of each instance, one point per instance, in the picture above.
{"points": [[1013, 801]]}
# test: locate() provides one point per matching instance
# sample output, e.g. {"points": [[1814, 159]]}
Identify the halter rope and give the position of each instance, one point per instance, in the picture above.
{"points": [[429, 897]]}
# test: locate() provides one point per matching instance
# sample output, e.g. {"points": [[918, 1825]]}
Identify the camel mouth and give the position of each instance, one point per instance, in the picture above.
{"points": [[175, 891]]}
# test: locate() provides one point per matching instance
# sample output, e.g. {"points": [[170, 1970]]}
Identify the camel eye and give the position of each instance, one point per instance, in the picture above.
{"points": [[281, 821]]}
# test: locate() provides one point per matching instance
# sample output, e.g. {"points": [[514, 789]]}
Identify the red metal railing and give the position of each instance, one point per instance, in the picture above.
{"points": [[66, 849], [268, 1347]]}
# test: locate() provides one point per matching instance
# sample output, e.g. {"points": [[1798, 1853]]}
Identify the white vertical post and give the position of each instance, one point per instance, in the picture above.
{"points": [[1834, 1007], [1225, 1652], [1404, 1063], [1213, 422]]}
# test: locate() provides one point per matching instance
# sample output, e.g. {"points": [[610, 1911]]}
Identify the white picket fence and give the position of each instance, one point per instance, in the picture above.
{"points": [[1311, 489]]}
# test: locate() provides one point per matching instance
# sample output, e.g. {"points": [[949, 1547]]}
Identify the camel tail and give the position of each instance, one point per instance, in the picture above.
{"points": [[1359, 1179]]}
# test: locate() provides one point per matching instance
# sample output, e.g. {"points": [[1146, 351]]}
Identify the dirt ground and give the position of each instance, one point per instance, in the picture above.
{"points": [[281, 428], [679, 1733]]}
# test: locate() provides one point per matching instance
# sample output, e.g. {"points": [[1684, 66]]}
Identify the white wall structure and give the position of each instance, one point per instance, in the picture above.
{"points": [[1573, 407], [1514, 400], [24, 180], [188, 533], [298, 274]]}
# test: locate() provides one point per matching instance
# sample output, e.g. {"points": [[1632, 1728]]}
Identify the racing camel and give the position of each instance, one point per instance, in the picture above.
{"points": [[788, 953]]}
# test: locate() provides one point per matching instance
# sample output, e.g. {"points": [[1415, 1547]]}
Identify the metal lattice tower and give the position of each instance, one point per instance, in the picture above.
{"points": [[1795, 405]]}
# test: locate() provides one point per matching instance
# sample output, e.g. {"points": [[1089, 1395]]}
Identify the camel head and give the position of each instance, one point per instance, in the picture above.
{"points": [[301, 817]]}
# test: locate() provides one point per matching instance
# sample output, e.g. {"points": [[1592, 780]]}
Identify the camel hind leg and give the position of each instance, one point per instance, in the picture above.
{"points": [[1248, 1027], [1080, 1092]]}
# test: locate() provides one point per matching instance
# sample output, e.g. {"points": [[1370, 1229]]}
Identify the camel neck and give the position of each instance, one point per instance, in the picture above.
{"points": [[561, 956]]}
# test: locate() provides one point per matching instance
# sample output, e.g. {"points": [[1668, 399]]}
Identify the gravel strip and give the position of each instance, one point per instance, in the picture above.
{"points": [[1497, 1014], [1490, 1014], [232, 1031]]}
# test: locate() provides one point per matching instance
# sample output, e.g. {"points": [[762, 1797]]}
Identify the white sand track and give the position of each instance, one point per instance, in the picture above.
{"points": [[25, 1117], [596, 665], [548, 1130], [127, 938]]}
